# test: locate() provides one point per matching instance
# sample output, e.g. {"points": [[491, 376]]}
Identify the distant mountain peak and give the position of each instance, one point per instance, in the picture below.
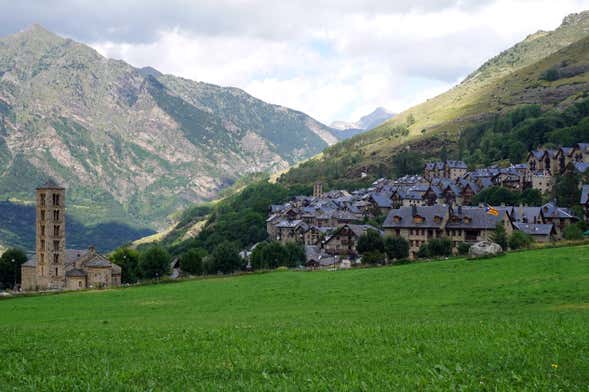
{"points": [[367, 122], [575, 18]]}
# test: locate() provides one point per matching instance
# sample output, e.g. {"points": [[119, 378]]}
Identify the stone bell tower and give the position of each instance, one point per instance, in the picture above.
{"points": [[318, 189], [50, 242]]}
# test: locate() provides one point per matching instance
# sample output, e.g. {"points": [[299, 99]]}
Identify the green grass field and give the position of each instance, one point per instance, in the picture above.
{"points": [[517, 322]]}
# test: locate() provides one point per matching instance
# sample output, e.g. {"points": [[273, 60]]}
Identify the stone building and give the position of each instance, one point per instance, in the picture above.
{"points": [[53, 267]]}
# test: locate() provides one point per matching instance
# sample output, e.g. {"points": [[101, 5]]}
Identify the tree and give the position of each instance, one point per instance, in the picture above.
{"points": [[496, 195], [500, 236], [295, 254], [566, 190], [226, 258], [154, 262], [531, 197], [407, 162], [369, 242], [573, 232], [9, 270], [191, 261], [423, 252], [396, 248], [519, 239], [269, 255], [128, 260]]}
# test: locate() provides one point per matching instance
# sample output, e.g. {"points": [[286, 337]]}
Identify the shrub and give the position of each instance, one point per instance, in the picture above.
{"points": [[573, 232], [423, 252], [370, 242], [396, 248], [550, 75], [440, 247], [373, 257], [154, 262], [269, 255], [191, 262], [500, 236], [519, 239], [463, 248]]}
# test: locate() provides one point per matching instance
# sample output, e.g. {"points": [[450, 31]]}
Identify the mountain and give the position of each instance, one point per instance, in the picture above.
{"points": [[132, 145], [345, 130], [549, 69]]}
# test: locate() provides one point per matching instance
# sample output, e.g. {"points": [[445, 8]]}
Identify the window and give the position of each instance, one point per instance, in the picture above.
{"points": [[55, 258], [42, 244], [42, 258], [56, 215], [56, 230], [55, 199], [42, 230], [56, 272], [42, 215], [42, 199], [79, 283], [56, 246]]}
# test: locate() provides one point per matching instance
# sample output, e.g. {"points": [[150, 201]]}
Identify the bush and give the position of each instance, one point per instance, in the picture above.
{"points": [[154, 262], [500, 236], [370, 242], [128, 260], [191, 262], [9, 271], [226, 258], [440, 247], [463, 248], [396, 248], [423, 252], [519, 239], [550, 75], [373, 257], [573, 232]]}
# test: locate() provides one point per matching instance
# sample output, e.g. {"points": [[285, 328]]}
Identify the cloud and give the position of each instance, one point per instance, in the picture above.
{"points": [[333, 59]]}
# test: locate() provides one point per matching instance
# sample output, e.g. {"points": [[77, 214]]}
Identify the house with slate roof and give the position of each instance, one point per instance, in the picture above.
{"points": [[54, 267], [585, 201]]}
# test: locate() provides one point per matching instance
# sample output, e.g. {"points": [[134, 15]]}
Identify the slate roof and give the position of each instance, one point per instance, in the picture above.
{"points": [[581, 167], [585, 194], [535, 229], [551, 210], [519, 214], [382, 200], [582, 146], [477, 218], [406, 215], [456, 164], [76, 272], [50, 184], [72, 255]]}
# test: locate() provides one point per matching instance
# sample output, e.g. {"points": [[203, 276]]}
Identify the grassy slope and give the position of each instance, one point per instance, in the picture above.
{"points": [[498, 323], [503, 83]]}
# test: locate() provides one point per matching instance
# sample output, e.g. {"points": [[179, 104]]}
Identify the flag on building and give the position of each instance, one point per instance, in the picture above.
{"points": [[491, 211]]}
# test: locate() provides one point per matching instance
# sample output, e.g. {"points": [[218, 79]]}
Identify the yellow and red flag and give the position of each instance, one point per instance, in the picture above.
{"points": [[491, 211]]}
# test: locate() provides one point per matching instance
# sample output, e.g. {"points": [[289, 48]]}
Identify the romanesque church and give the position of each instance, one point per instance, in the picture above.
{"points": [[54, 267]]}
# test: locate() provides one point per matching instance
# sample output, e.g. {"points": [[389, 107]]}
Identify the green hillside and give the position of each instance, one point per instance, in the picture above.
{"points": [[548, 69], [517, 322]]}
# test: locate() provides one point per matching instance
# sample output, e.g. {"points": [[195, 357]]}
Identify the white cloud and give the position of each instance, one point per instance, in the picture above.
{"points": [[338, 60]]}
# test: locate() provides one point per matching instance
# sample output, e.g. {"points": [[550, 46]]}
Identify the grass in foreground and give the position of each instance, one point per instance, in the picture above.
{"points": [[517, 322]]}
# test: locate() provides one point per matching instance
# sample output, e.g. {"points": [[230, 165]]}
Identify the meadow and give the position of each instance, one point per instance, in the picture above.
{"points": [[516, 322]]}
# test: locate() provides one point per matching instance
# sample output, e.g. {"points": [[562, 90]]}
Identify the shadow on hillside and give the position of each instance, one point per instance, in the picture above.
{"points": [[17, 228]]}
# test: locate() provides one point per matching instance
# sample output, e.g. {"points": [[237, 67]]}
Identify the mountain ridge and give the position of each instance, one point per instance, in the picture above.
{"points": [[132, 144]]}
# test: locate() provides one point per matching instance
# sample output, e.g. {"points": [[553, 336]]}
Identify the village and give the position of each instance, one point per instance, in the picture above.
{"points": [[436, 204]]}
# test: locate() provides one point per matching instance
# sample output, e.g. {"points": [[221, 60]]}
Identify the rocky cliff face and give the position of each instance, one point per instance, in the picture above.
{"points": [[130, 143]]}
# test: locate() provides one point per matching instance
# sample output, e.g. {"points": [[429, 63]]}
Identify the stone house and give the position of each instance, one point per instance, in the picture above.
{"points": [[560, 217], [418, 225], [580, 153], [542, 180], [344, 239], [540, 232]]}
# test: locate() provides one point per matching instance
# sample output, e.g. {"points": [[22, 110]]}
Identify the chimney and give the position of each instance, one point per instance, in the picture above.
{"points": [[92, 249]]}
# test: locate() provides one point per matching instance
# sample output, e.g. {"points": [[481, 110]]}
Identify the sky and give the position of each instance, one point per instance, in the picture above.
{"points": [[332, 59]]}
